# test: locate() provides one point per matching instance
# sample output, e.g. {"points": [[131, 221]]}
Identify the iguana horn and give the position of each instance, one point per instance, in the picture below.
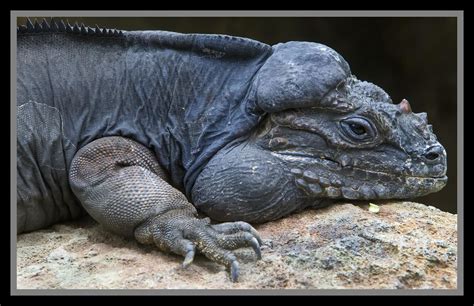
{"points": [[405, 106]]}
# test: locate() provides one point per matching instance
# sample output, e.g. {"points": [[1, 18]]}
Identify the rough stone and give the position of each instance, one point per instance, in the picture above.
{"points": [[405, 245]]}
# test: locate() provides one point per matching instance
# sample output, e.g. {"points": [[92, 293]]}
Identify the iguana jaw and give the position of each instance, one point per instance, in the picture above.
{"points": [[327, 178]]}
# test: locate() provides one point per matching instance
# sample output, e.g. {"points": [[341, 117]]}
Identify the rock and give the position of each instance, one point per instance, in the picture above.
{"points": [[404, 245], [60, 255]]}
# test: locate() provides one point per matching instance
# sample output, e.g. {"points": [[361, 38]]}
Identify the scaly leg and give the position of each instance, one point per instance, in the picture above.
{"points": [[121, 185]]}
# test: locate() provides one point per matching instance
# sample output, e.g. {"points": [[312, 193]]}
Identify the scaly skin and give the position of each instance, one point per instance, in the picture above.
{"points": [[121, 185]]}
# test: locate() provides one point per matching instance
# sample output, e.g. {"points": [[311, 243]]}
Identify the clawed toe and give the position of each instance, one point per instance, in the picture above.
{"points": [[234, 227], [234, 271], [256, 247], [216, 242], [188, 259]]}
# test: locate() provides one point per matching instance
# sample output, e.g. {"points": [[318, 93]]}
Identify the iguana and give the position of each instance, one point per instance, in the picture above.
{"points": [[144, 129]]}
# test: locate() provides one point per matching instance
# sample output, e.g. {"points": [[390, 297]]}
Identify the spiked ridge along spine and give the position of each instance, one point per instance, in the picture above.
{"points": [[58, 26]]}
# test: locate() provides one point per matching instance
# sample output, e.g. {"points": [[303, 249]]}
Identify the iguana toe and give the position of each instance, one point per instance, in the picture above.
{"points": [[218, 245], [183, 234], [234, 271], [188, 259], [234, 227], [238, 240]]}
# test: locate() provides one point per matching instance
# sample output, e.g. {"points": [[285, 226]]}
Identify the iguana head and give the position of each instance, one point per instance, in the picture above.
{"points": [[324, 136], [358, 146]]}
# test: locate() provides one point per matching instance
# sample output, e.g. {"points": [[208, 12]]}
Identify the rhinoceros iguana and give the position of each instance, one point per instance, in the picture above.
{"points": [[143, 129]]}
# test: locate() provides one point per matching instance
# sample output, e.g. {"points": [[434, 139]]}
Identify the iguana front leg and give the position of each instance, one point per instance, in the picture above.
{"points": [[121, 185]]}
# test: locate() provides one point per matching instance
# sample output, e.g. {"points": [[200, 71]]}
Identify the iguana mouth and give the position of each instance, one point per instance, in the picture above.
{"points": [[333, 164], [397, 174], [322, 159], [352, 182]]}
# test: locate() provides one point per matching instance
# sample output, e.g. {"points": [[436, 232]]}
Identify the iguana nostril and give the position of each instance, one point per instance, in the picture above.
{"points": [[433, 153], [432, 156]]}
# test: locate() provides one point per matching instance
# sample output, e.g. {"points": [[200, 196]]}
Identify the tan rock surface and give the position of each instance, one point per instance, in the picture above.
{"points": [[404, 245]]}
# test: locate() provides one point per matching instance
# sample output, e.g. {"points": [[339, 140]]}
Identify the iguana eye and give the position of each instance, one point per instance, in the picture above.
{"points": [[358, 128]]}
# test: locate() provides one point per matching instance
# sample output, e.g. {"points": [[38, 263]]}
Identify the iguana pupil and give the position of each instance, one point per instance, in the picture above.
{"points": [[357, 128]]}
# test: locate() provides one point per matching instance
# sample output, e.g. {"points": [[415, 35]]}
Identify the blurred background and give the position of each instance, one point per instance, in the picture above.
{"points": [[409, 57]]}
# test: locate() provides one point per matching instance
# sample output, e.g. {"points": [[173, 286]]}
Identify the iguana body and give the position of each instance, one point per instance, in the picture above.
{"points": [[136, 126]]}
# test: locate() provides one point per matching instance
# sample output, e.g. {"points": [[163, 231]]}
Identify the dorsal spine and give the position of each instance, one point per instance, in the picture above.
{"points": [[59, 26]]}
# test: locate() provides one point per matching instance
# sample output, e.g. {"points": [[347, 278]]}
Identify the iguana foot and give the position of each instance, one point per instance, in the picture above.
{"points": [[180, 232]]}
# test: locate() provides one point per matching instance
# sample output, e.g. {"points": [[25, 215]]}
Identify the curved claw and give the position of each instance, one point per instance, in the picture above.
{"points": [[188, 259], [249, 228], [256, 247], [256, 235], [234, 271]]}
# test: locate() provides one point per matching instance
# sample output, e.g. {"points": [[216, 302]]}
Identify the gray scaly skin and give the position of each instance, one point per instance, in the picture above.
{"points": [[141, 128]]}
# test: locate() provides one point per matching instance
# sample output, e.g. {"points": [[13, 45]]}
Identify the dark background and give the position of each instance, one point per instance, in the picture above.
{"points": [[409, 57]]}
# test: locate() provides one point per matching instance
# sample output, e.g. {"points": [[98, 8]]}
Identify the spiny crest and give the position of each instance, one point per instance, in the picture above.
{"points": [[60, 27]]}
